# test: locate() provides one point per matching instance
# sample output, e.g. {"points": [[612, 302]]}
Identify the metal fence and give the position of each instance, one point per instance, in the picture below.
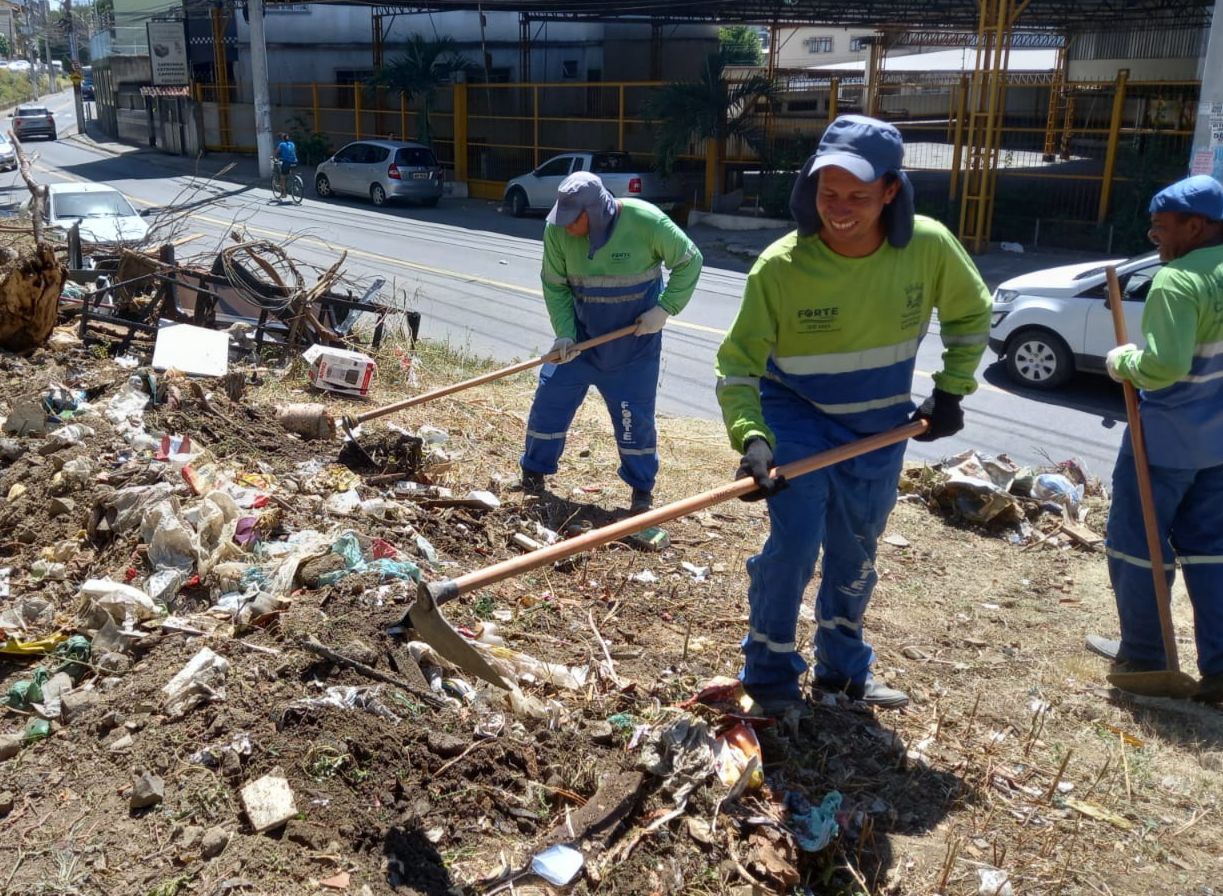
{"points": [[1076, 162]]}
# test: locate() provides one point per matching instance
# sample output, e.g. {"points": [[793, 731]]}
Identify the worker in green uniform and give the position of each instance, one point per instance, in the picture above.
{"points": [[602, 270], [822, 353]]}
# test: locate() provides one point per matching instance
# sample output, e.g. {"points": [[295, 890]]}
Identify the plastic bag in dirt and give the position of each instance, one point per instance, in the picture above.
{"points": [[123, 603], [121, 510], [72, 434], [172, 543], [200, 681], [978, 501], [813, 826], [1055, 488], [558, 865]]}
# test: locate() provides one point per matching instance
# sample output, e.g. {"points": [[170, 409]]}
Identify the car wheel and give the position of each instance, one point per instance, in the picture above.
{"points": [[54, 136], [1038, 359], [377, 195], [517, 201], [322, 186]]}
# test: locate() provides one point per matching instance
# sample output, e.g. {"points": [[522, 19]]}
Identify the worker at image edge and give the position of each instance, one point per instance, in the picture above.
{"points": [[1180, 375]]}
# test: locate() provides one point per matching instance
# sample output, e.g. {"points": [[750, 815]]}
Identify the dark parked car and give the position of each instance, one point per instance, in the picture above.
{"points": [[87, 89], [33, 121]]}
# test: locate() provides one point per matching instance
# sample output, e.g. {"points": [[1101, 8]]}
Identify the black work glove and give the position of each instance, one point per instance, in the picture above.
{"points": [[943, 411], [756, 463]]}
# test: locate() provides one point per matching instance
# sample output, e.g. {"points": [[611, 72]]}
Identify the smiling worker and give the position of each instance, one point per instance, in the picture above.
{"points": [[602, 270], [823, 353]]}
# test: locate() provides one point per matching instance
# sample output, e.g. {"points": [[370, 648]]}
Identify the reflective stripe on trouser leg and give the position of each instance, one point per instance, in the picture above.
{"points": [[1129, 562], [857, 513], [557, 398], [629, 393], [1197, 534], [777, 578]]}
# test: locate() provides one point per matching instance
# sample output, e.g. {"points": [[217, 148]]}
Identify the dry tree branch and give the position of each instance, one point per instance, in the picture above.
{"points": [[38, 191]]}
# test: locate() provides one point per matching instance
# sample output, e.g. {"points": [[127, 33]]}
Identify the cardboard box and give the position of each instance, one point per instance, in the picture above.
{"points": [[340, 370]]}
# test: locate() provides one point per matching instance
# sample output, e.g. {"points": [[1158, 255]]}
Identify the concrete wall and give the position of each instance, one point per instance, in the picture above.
{"points": [[315, 43]]}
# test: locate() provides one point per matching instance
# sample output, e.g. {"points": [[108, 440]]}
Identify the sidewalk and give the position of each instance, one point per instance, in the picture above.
{"points": [[245, 168]]}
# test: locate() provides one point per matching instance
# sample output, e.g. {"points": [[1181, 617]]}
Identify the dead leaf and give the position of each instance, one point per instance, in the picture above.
{"points": [[1098, 812], [337, 882]]}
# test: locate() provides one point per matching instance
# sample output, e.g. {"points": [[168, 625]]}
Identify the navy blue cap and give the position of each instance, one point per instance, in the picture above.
{"points": [[868, 149], [1197, 195]]}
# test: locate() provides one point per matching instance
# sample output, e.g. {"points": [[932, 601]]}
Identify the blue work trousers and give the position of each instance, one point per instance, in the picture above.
{"points": [[845, 514], [629, 393], [1189, 511]]}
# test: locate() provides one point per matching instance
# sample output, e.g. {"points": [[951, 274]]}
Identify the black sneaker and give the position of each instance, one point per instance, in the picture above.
{"points": [[641, 501], [871, 692], [531, 483], [1210, 689]]}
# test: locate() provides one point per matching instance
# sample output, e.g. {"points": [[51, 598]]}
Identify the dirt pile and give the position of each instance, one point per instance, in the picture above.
{"points": [[204, 693]]}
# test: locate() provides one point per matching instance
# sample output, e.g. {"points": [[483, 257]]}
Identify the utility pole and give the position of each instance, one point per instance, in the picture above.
{"points": [[259, 77], [46, 44], [1207, 154], [74, 52]]}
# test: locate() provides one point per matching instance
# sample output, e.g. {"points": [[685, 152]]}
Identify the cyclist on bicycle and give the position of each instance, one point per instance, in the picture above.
{"points": [[285, 158]]}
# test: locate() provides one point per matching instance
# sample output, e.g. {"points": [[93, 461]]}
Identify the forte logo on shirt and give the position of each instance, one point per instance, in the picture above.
{"points": [[818, 320], [621, 257]]}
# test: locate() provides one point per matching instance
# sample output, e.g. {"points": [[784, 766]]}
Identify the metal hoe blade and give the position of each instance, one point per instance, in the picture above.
{"points": [[426, 617]]}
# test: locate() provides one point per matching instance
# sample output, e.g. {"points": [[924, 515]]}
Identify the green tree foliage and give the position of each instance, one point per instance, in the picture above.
{"points": [[5, 49], [740, 45], [418, 72], [685, 112]]}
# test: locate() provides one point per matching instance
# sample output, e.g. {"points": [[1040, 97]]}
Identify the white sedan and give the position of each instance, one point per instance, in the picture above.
{"points": [[105, 216], [1051, 323]]}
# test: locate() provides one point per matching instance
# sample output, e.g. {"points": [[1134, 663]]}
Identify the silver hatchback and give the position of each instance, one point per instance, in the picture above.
{"points": [[382, 170]]}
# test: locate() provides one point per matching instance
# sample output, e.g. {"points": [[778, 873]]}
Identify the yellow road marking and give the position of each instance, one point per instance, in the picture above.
{"points": [[471, 278]]}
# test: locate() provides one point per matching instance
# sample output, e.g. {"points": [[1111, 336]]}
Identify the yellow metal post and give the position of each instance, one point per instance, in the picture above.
{"points": [[460, 132], [314, 108], [356, 110], [535, 120], [957, 143], [220, 69], [834, 98], [620, 122], [1114, 136], [403, 117], [1057, 99]]}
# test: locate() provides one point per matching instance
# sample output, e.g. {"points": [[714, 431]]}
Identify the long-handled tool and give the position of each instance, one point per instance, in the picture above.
{"points": [[1170, 682], [425, 617], [352, 421]]}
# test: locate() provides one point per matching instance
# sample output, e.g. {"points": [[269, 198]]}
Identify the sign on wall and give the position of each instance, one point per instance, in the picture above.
{"points": [[168, 53]]}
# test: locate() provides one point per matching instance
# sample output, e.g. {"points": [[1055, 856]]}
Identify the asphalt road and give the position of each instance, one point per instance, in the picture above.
{"points": [[473, 273]]}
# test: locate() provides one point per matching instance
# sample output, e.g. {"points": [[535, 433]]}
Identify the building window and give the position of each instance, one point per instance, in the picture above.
{"points": [[569, 69], [818, 44], [859, 44]]}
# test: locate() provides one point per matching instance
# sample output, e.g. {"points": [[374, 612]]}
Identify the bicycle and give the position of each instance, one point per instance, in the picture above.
{"points": [[293, 184]]}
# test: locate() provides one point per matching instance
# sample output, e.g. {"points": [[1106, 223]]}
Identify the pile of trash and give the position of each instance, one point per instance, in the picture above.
{"points": [[154, 569], [1021, 504]]}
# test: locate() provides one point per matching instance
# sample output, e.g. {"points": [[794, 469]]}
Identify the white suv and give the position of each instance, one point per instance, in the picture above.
{"points": [[1050, 323]]}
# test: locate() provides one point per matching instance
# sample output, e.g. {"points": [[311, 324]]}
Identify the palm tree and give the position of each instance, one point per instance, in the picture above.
{"points": [[712, 108], [423, 67]]}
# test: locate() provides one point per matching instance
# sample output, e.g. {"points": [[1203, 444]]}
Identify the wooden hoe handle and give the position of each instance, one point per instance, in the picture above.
{"points": [[614, 532], [483, 378], [1146, 496]]}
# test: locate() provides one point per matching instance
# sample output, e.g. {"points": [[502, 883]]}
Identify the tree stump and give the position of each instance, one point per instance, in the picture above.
{"points": [[30, 286]]}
